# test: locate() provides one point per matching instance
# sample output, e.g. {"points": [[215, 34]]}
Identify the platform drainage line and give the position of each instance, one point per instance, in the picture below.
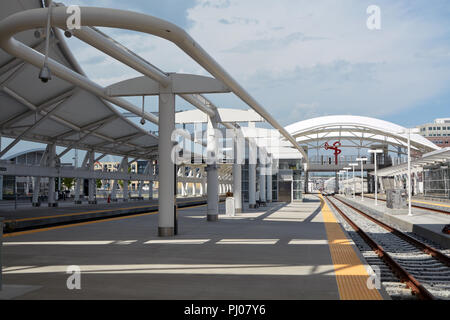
{"points": [[351, 275]]}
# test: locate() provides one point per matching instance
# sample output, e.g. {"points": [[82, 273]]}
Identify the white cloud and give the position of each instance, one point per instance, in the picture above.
{"points": [[322, 54], [295, 53]]}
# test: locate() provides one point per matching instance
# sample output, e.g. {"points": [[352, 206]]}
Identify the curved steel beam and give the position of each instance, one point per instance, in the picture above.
{"points": [[359, 129], [113, 18], [18, 49]]}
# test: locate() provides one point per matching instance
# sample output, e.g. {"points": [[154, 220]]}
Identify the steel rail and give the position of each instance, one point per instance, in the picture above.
{"points": [[416, 287], [418, 244]]}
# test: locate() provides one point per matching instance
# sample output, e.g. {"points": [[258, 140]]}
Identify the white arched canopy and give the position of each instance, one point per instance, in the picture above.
{"points": [[355, 131]]}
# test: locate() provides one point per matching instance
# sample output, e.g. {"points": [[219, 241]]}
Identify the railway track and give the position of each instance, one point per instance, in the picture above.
{"points": [[401, 259]]}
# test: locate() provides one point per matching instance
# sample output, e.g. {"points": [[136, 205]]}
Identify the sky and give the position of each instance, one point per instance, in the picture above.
{"points": [[299, 58]]}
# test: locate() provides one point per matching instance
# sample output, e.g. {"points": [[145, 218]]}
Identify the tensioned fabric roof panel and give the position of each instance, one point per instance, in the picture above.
{"points": [[356, 127], [431, 158], [56, 111]]}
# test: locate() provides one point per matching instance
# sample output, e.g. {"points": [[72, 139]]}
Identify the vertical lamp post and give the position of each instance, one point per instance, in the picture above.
{"points": [[353, 165], [339, 173], [338, 181], [341, 179], [362, 176], [408, 131], [346, 177], [375, 152]]}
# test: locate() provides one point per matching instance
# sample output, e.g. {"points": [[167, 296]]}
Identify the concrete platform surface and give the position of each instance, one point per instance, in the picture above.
{"points": [[425, 223], [277, 252], [421, 201]]}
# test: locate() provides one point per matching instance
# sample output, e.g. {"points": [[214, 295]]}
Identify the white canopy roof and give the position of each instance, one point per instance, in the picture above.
{"points": [[56, 111], [346, 127], [438, 156]]}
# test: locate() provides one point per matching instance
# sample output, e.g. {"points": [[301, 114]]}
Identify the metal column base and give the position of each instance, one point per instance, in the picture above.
{"points": [[212, 217], [238, 210], [77, 202], [252, 206], [36, 204], [166, 231], [53, 204]]}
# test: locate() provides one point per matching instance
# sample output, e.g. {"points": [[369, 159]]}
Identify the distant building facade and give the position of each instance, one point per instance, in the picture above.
{"points": [[23, 186], [437, 132], [113, 166]]}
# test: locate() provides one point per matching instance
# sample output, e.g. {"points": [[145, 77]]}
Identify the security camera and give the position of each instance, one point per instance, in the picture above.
{"points": [[45, 74], [37, 34], [68, 33], [142, 121]]}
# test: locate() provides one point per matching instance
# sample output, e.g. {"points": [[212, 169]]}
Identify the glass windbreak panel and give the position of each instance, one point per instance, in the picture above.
{"points": [[274, 188], [297, 184], [244, 183], [297, 195], [437, 181]]}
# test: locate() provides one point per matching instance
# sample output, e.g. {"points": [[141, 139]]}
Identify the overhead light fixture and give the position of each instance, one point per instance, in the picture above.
{"points": [[45, 73], [143, 112]]}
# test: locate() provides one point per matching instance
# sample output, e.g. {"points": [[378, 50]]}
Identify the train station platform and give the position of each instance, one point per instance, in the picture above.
{"points": [[424, 222], [282, 251], [426, 202], [26, 216]]}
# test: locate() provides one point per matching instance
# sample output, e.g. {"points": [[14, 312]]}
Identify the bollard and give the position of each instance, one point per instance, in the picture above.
{"points": [[229, 206]]}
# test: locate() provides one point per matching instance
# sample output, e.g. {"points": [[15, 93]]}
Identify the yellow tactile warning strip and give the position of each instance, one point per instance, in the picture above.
{"points": [[86, 212], [19, 233], [351, 275], [423, 202], [79, 213], [432, 203]]}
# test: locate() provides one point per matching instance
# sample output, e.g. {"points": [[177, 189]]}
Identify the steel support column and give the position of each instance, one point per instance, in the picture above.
{"points": [[37, 181], [92, 182], [212, 172], [262, 184], [269, 180], [150, 182], [141, 182], [252, 159], [79, 181], [125, 181], [166, 196], [237, 187], [51, 181]]}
